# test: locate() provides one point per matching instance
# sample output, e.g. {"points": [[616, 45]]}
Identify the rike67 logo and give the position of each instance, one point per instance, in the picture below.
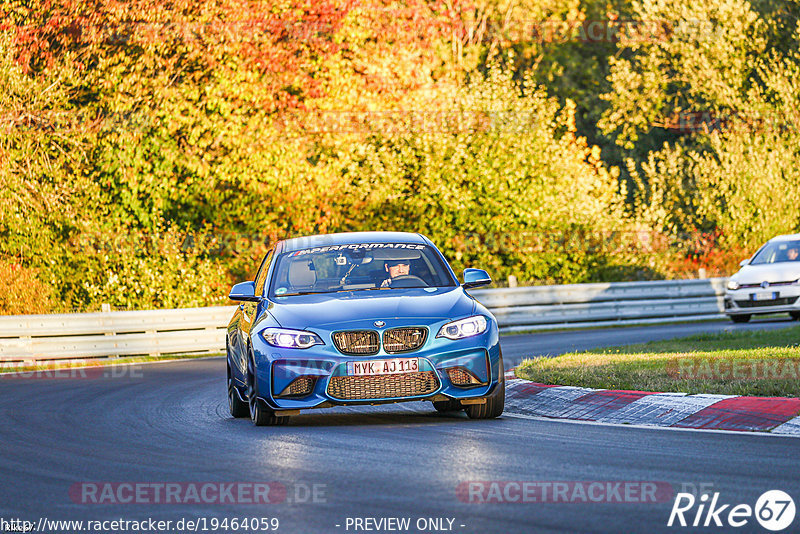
{"points": [[774, 510]]}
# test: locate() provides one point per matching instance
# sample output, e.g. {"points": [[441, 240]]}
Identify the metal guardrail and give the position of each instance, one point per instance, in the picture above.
{"points": [[585, 305], [25, 338], [126, 333]]}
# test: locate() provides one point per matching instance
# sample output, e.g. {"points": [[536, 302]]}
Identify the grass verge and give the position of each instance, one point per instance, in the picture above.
{"points": [[754, 363]]}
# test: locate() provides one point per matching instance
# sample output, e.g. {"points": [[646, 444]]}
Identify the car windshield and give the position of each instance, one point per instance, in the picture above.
{"points": [[778, 252], [358, 267]]}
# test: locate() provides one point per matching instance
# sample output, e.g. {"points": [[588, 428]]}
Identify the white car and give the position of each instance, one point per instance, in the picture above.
{"points": [[769, 282]]}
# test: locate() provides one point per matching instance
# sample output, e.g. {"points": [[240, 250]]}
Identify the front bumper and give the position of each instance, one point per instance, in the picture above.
{"points": [[742, 301], [332, 386]]}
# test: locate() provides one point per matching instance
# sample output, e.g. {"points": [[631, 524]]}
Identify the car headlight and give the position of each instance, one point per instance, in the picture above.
{"points": [[291, 339], [733, 285], [471, 326]]}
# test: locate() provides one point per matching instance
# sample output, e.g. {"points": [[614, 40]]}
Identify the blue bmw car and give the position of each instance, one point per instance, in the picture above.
{"points": [[361, 318]]}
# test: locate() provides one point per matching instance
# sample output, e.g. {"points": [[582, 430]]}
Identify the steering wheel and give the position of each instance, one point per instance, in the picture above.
{"points": [[408, 280]]}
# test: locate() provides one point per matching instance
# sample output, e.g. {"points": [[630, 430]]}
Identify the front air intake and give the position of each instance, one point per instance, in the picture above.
{"points": [[300, 387], [383, 386]]}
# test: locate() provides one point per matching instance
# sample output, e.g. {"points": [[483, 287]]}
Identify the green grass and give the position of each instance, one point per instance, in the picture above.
{"points": [[757, 363]]}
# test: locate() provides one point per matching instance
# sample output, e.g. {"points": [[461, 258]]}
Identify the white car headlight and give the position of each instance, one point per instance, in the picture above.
{"points": [[733, 285], [291, 339], [471, 326]]}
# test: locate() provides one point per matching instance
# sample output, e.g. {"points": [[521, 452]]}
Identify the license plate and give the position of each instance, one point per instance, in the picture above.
{"points": [[763, 296], [383, 367]]}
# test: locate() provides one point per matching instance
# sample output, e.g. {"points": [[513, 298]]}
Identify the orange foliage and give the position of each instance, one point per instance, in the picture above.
{"points": [[284, 44], [23, 292]]}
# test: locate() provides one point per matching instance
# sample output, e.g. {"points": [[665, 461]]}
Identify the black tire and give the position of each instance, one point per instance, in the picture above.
{"points": [[795, 316], [740, 318], [495, 403], [236, 406], [260, 414], [451, 405]]}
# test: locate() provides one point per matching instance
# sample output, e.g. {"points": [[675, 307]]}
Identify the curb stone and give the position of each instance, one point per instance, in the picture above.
{"points": [[778, 415]]}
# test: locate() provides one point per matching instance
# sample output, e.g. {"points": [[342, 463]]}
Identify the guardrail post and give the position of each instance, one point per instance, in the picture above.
{"points": [[154, 354]]}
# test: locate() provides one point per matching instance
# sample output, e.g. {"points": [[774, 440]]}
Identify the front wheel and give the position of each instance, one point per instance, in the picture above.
{"points": [[260, 414], [495, 403], [236, 406], [740, 318]]}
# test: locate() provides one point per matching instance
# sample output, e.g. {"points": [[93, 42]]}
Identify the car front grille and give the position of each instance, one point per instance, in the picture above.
{"points": [[404, 339], [383, 386], [771, 284], [787, 301], [357, 342]]}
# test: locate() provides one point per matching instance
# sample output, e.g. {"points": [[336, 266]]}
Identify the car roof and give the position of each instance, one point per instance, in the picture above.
{"points": [[344, 238], [787, 237]]}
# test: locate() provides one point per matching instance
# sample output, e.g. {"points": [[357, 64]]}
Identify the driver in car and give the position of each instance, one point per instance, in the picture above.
{"points": [[792, 254], [395, 268]]}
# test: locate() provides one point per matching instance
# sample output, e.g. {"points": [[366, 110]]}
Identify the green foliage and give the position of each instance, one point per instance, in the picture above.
{"points": [[134, 271], [707, 63], [744, 184], [58, 212], [490, 189], [150, 151], [741, 177], [733, 171]]}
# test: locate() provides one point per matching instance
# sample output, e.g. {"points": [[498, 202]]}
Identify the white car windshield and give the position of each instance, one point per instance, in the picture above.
{"points": [[358, 267], [778, 252]]}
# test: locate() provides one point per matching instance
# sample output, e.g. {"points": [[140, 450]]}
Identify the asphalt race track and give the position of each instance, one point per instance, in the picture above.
{"points": [[544, 343], [168, 423]]}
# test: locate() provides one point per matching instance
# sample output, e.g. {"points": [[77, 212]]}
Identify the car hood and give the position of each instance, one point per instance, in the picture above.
{"points": [[359, 307], [772, 273]]}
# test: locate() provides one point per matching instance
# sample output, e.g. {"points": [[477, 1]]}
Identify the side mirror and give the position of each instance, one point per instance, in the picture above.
{"points": [[475, 278], [244, 292], [744, 262]]}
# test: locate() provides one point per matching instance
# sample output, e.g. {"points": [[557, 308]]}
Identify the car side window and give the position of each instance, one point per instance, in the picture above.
{"points": [[261, 277]]}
